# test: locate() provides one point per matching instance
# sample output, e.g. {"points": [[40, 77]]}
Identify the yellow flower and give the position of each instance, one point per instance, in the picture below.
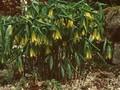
{"points": [[96, 35], [92, 37], [50, 13], [38, 40], [56, 35], [76, 37], [32, 53], [62, 21], [88, 15], [109, 52], [83, 32], [88, 55], [33, 37], [22, 42], [70, 24]]}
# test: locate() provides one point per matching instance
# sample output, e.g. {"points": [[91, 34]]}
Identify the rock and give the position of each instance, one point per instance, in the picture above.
{"points": [[112, 30], [10, 7], [116, 54], [112, 23], [5, 76]]}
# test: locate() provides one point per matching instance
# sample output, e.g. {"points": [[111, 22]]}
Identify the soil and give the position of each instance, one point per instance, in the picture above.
{"points": [[96, 79]]}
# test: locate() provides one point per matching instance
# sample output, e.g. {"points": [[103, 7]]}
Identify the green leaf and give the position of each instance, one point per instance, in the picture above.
{"points": [[51, 62], [8, 41], [36, 8], [109, 52], [9, 30], [77, 59], [104, 45], [19, 64], [69, 70], [62, 71]]}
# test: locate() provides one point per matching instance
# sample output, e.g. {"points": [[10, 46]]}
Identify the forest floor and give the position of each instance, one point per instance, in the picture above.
{"points": [[94, 80]]}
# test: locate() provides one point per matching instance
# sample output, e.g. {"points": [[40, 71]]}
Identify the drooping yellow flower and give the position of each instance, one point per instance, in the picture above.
{"points": [[33, 37], [38, 41], [70, 24], [76, 37], [88, 16], [109, 52], [83, 32], [32, 53], [91, 38], [56, 35], [62, 21], [50, 13], [88, 54], [96, 35]]}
